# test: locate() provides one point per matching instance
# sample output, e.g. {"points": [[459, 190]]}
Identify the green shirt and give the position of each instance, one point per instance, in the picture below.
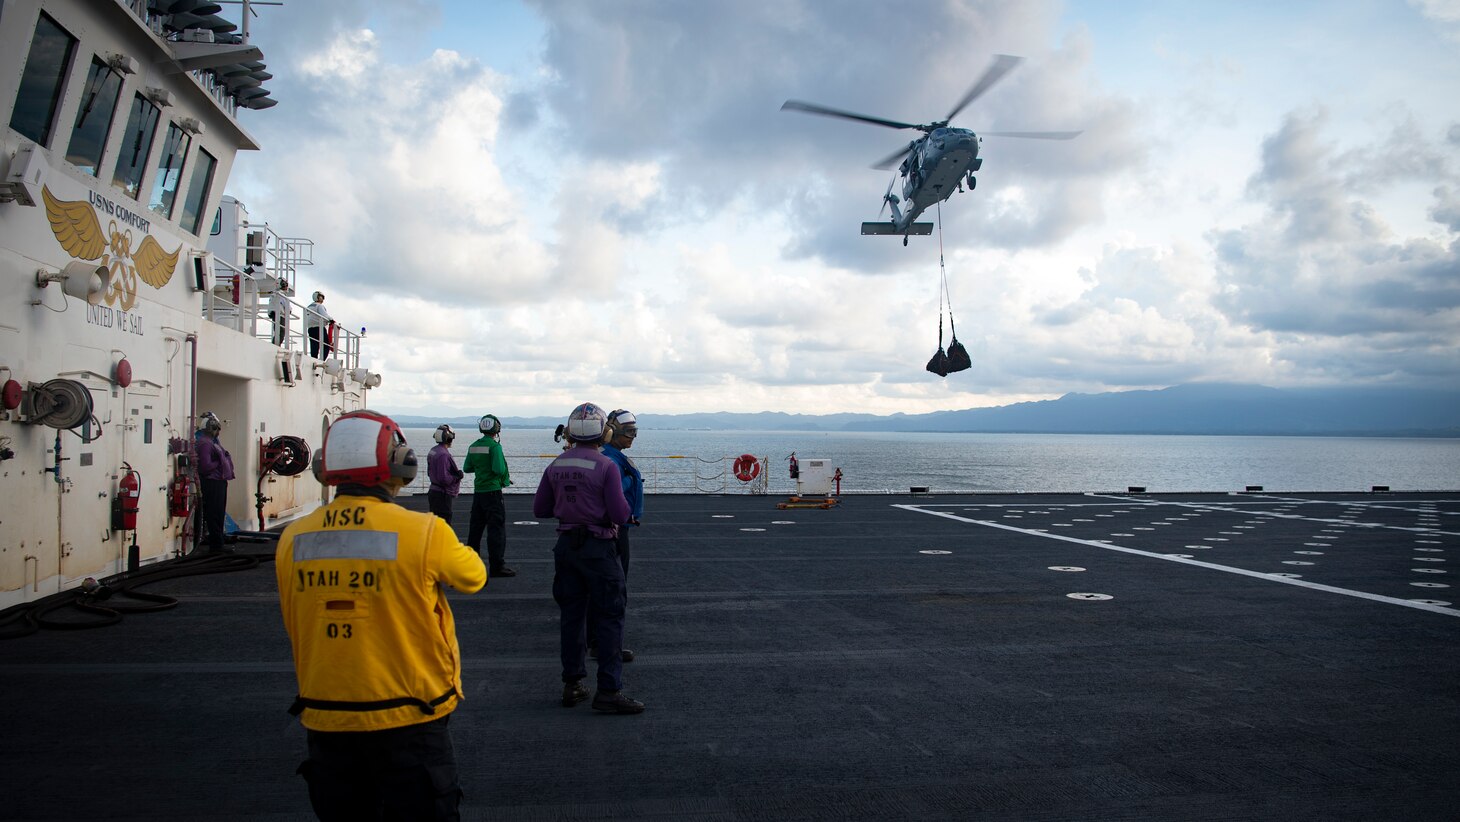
{"points": [[485, 459]]}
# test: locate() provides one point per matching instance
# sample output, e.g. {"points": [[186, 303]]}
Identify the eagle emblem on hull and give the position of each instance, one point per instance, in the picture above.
{"points": [[77, 229]]}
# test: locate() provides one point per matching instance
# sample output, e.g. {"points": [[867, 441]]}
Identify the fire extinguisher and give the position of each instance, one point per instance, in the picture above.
{"points": [[127, 501], [795, 466], [180, 497]]}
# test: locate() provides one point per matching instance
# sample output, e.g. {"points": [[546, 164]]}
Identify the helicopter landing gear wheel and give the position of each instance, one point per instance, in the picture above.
{"points": [[972, 181], [904, 241]]}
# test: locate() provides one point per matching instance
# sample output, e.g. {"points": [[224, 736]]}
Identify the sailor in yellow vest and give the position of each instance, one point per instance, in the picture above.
{"points": [[362, 587]]}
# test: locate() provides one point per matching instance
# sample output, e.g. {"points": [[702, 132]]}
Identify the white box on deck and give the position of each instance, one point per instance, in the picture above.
{"points": [[816, 478]]}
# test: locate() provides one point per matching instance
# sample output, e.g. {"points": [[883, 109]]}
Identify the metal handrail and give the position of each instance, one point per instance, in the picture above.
{"points": [[663, 474]]}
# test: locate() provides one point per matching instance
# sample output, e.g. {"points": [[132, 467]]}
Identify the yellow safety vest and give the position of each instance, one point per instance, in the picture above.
{"points": [[360, 586]]}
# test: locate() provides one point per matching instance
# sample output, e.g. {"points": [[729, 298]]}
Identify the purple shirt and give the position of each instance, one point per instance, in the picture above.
{"points": [[441, 468], [583, 487], [214, 462]]}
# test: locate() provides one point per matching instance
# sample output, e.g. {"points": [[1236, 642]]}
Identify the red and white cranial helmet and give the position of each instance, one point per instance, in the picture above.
{"points": [[364, 448]]}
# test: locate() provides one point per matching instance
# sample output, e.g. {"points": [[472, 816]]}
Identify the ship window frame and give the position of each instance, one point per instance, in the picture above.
{"points": [[62, 71], [217, 222], [140, 154], [91, 117], [195, 206], [164, 197]]}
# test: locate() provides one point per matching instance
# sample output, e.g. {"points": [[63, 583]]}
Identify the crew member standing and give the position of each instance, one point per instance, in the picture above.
{"points": [[624, 428], [584, 490], [445, 476], [488, 511], [215, 469], [317, 324], [374, 640]]}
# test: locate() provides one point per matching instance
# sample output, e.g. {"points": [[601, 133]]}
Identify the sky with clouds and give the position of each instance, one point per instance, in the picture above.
{"points": [[535, 204]]}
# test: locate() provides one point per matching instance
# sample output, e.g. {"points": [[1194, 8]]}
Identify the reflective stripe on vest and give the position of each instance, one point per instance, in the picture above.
{"points": [[427, 708], [575, 462], [346, 545]]}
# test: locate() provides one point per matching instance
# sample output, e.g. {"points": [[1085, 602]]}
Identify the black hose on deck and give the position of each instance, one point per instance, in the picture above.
{"points": [[104, 601]]}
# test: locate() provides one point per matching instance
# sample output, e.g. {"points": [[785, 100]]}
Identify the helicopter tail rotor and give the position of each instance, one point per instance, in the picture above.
{"points": [[887, 196]]}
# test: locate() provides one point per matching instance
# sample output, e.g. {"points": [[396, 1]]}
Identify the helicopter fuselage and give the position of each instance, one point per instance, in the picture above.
{"points": [[935, 168]]}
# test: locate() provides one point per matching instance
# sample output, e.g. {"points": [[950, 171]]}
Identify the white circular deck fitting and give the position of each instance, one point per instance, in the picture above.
{"points": [[1102, 541], [1084, 520], [934, 551], [1429, 570], [783, 522], [1065, 568], [1090, 597], [1287, 576], [1139, 528], [1429, 584], [1245, 527], [1181, 556], [752, 529], [1106, 516], [1318, 544], [1200, 547], [722, 516], [1428, 542], [1012, 516], [525, 522], [1310, 553], [1122, 534], [1440, 602], [1215, 539], [1231, 533], [1163, 524], [1296, 562], [1428, 559], [1063, 525], [1429, 549], [1332, 531]]}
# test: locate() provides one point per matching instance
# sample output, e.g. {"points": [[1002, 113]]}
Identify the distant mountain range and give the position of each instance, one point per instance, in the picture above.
{"points": [[1198, 408]]}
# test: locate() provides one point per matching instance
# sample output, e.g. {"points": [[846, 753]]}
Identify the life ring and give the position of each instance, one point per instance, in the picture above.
{"points": [[746, 468]]}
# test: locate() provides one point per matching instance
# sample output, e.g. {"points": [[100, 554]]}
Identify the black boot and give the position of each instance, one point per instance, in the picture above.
{"points": [[574, 692], [616, 702]]}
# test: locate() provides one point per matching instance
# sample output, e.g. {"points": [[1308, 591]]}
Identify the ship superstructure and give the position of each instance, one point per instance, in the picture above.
{"points": [[136, 296]]}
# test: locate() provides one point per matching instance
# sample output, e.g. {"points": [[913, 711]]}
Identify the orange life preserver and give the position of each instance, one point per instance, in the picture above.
{"points": [[746, 468]]}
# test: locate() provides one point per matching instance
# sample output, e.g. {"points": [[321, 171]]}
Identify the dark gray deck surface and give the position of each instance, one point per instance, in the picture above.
{"points": [[812, 664]]}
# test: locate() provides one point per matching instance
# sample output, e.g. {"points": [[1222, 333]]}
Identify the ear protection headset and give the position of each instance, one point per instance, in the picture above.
{"points": [[489, 425], [364, 448]]}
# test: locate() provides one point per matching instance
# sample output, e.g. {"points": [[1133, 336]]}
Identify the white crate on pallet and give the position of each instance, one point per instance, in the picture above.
{"points": [[817, 478]]}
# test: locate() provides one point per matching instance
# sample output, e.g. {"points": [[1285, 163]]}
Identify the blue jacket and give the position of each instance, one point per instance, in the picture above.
{"points": [[633, 482]]}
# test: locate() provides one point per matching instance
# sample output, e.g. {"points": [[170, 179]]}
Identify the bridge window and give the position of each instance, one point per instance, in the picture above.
{"points": [[94, 116], [40, 85], [169, 170], [136, 145], [198, 189]]}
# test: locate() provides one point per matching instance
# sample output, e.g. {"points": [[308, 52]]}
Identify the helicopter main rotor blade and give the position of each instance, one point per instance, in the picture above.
{"points": [[812, 108], [1034, 135], [894, 158], [1003, 64]]}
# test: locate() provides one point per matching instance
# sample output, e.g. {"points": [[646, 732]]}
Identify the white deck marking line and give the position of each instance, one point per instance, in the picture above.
{"points": [[1105, 546], [1392, 505], [1232, 509]]}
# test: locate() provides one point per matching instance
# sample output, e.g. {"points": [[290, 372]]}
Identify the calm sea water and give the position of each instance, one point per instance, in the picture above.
{"points": [[699, 461]]}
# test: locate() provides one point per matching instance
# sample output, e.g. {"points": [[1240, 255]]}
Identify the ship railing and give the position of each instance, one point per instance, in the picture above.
{"points": [[254, 304], [664, 474]]}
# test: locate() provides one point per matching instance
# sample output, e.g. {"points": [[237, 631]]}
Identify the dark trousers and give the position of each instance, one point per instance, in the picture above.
{"points": [[440, 504], [319, 343], [215, 511], [621, 544], [588, 578], [399, 773], [489, 513]]}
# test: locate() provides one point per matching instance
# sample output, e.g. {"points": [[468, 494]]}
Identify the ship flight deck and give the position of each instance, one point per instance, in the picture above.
{"points": [[1020, 657]]}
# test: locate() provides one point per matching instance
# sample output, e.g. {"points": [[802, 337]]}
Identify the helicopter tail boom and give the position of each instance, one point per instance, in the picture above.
{"points": [[886, 227]]}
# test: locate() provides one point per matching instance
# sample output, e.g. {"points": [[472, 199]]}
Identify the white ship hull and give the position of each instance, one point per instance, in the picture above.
{"points": [[182, 300]]}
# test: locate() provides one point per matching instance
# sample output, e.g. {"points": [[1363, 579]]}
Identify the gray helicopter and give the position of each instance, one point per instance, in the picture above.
{"points": [[936, 164]]}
